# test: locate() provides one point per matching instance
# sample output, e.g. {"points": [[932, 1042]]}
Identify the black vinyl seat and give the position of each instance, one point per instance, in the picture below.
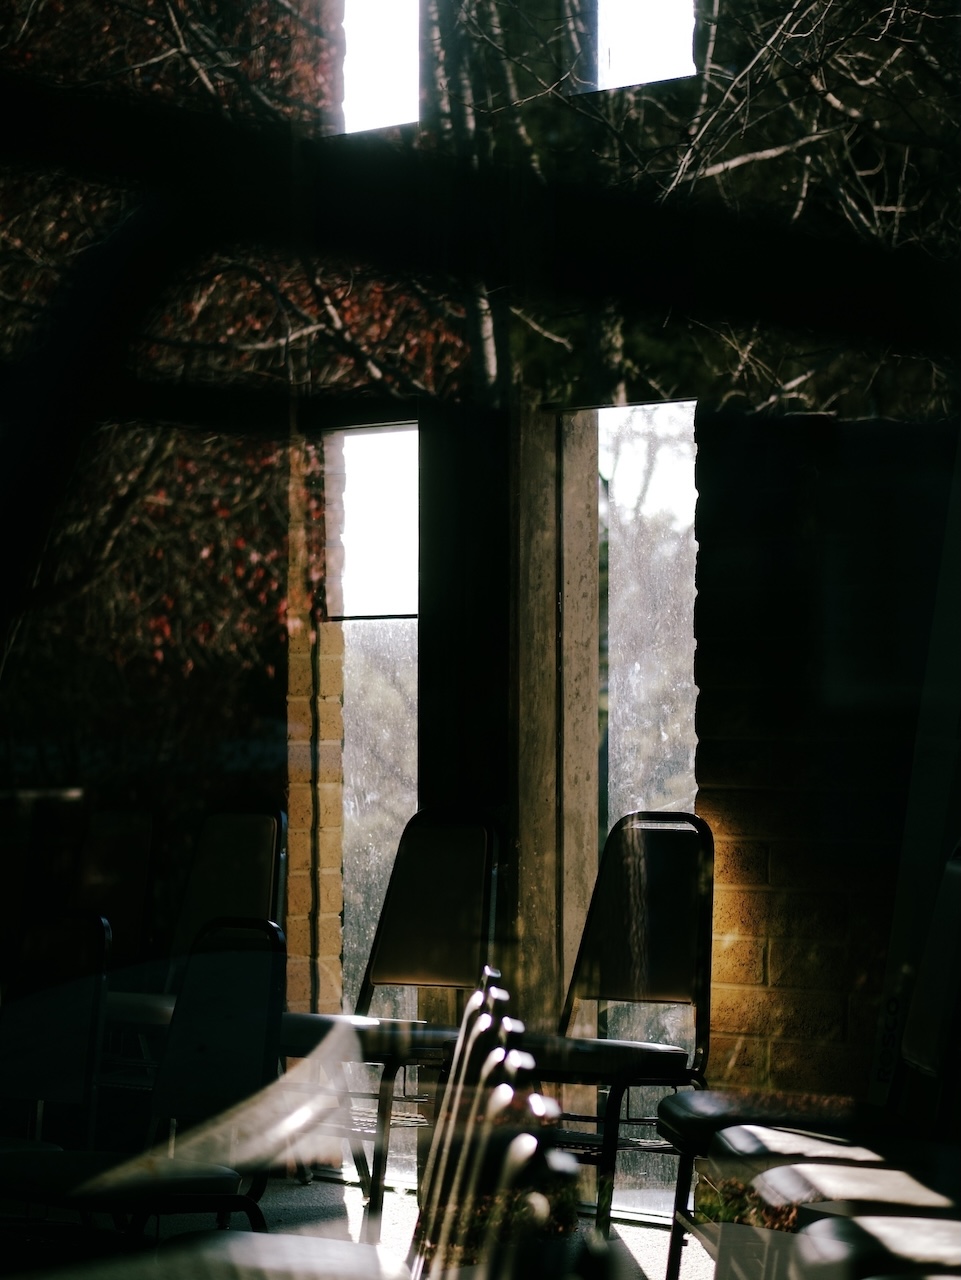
{"points": [[222, 1047], [51, 1028], [778, 1152]]}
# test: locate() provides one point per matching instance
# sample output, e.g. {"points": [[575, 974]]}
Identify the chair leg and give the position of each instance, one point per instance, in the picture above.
{"points": [[378, 1164], [608, 1160], [682, 1191]]}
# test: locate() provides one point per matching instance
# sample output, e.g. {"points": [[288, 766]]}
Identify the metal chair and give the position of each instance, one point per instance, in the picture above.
{"points": [[51, 1027], [445, 866], [222, 1047], [239, 868], [646, 940], [735, 1139]]}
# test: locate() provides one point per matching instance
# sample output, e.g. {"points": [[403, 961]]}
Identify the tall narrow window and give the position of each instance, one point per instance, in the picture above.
{"points": [[378, 529], [381, 73], [372, 592], [639, 41], [646, 499]]}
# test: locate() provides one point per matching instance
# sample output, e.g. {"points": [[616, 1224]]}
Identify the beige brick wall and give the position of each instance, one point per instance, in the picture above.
{"points": [[314, 766]]}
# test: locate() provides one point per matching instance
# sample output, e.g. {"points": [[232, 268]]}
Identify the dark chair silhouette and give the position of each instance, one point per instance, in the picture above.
{"points": [[487, 1151], [646, 940], [222, 1047], [51, 1028], [112, 877], [239, 868], [740, 1137], [433, 931]]}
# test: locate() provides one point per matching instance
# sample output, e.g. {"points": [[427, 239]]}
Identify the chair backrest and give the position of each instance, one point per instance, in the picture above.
{"points": [[647, 936], [239, 868], [113, 874], [223, 1044], [51, 1015], [926, 1090], [434, 927]]}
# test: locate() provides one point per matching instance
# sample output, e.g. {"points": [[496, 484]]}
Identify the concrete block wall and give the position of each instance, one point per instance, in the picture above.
{"points": [[315, 734], [818, 551]]}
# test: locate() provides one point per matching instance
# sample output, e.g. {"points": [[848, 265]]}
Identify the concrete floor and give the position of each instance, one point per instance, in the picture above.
{"points": [[321, 1208], [335, 1209]]}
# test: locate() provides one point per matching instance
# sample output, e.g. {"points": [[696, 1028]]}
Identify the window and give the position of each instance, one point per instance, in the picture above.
{"points": [[646, 499], [381, 76], [639, 41], [376, 603]]}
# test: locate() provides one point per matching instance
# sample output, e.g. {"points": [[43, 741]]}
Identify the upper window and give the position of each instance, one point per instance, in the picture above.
{"points": [[639, 41], [381, 74]]}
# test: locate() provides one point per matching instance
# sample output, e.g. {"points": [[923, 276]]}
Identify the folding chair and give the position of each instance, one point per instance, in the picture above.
{"points": [[222, 1047], [51, 1028], [112, 877], [733, 1139], [434, 931], [646, 940], [239, 869]]}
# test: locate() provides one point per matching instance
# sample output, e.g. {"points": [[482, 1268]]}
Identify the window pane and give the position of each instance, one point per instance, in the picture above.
{"points": [[380, 774], [381, 64], [647, 503], [646, 510], [640, 41], [380, 530]]}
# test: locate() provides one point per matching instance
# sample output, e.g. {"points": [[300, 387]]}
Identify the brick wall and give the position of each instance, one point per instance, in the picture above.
{"points": [[315, 733], [819, 545]]}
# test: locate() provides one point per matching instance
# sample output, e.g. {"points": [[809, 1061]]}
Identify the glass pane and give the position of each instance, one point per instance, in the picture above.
{"points": [[381, 69], [640, 41], [380, 530], [380, 781], [646, 512], [380, 794]]}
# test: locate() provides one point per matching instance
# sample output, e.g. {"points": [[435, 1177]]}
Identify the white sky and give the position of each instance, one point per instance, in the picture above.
{"points": [[380, 521], [381, 64], [644, 40], [672, 484], [639, 41]]}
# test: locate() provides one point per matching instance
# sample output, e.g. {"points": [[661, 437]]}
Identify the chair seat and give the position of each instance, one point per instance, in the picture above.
{"points": [[139, 1010], [248, 1255], [689, 1121], [88, 1178], [850, 1248], [410, 1042], [859, 1190], [579, 1060]]}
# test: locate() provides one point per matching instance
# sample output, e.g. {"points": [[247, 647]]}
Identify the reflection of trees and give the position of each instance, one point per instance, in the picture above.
{"points": [[650, 656], [380, 777], [156, 636]]}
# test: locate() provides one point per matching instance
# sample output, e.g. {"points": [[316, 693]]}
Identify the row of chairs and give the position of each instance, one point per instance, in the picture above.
{"points": [[221, 1049], [498, 1198], [646, 940], [102, 861], [836, 1189], [647, 937]]}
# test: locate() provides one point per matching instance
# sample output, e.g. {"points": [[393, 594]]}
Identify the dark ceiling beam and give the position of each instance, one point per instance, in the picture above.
{"points": [[367, 199]]}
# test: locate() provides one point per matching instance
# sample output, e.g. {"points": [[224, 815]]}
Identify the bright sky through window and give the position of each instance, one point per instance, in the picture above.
{"points": [[380, 522], [381, 64], [640, 41]]}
